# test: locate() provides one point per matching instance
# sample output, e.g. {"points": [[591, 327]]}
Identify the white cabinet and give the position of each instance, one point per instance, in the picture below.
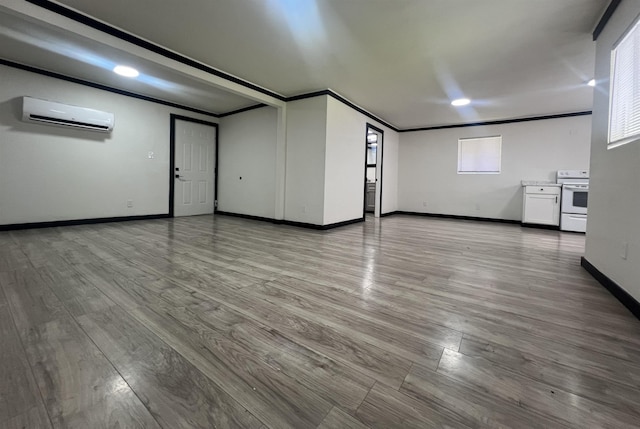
{"points": [[541, 205]]}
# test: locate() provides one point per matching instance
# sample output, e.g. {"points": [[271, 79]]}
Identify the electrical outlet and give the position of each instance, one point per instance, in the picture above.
{"points": [[129, 203], [624, 250], [424, 204], [304, 209]]}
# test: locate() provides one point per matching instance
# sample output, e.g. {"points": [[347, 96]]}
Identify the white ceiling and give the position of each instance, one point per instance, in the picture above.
{"points": [[402, 60], [48, 48]]}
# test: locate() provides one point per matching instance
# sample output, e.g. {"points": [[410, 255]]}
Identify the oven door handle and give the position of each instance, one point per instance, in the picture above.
{"points": [[576, 188]]}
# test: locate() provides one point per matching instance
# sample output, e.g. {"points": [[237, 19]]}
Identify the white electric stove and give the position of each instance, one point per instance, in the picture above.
{"points": [[575, 193]]}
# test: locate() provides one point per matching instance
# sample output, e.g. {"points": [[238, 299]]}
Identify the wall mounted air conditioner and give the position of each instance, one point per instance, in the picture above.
{"points": [[46, 112]]}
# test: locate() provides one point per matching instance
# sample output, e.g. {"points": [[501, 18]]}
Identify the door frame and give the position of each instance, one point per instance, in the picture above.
{"points": [[172, 162], [379, 164]]}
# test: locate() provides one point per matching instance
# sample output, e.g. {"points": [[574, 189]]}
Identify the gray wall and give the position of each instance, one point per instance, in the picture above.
{"points": [[428, 181], [614, 194], [51, 174]]}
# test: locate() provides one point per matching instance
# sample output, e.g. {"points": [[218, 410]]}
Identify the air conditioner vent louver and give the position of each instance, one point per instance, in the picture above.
{"points": [[46, 112], [38, 118]]}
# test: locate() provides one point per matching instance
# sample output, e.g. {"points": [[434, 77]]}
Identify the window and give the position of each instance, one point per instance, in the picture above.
{"points": [[479, 155], [624, 108]]}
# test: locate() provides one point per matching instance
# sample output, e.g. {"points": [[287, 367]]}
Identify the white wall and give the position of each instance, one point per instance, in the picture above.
{"points": [[50, 174], [390, 171], [247, 149], [325, 162], [614, 204], [428, 181], [345, 160], [345, 163], [305, 166]]}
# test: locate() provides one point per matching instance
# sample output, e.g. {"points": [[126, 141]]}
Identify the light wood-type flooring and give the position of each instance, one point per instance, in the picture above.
{"points": [[403, 322]]}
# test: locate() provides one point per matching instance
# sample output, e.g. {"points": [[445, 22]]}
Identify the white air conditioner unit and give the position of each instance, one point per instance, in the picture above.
{"points": [[47, 112]]}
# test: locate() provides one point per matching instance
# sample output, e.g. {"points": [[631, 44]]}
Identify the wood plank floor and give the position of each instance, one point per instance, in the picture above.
{"points": [[222, 322]]}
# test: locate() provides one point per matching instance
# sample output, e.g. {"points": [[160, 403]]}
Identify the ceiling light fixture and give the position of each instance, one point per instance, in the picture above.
{"points": [[592, 82], [126, 71], [460, 102]]}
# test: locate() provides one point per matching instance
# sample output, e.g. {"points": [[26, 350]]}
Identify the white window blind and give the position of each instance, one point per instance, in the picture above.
{"points": [[624, 109], [479, 155]]}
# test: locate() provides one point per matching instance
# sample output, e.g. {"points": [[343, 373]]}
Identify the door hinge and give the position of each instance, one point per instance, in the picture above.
{"points": [[215, 204]]}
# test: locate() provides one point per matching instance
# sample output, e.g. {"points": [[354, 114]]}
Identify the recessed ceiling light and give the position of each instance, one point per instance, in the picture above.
{"points": [[592, 82], [460, 102], [126, 71]]}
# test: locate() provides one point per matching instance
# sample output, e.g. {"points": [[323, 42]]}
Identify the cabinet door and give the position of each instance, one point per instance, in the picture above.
{"points": [[542, 209], [371, 197]]}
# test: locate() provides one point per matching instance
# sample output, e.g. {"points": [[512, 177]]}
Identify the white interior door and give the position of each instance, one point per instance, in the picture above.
{"points": [[195, 151]]}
